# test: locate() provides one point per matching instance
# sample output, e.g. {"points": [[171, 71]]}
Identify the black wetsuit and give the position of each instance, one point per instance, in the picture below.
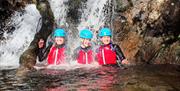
{"points": [[43, 52]]}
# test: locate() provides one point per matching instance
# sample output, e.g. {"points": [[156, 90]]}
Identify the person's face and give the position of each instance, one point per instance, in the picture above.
{"points": [[106, 40], [41, 43], [85, 42], [59, 40]]}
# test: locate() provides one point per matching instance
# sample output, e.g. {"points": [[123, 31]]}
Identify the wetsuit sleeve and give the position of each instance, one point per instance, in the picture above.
{"points": [[42, 53], [119, 53]]}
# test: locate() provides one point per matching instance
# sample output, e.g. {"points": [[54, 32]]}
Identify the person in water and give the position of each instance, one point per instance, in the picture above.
{"points": [[57, 53], [41, 49], [109, 53], [84, 53]]}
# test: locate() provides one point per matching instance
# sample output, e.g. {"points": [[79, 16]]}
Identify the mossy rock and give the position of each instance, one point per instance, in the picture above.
{"points": [[28, 58]]}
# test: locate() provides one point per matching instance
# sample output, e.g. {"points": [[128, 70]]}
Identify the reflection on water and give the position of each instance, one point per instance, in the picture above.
{"points": [[58, 79], [105, 78]]}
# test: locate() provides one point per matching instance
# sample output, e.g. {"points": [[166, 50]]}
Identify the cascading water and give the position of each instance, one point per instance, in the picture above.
{"points": [[94, 16], [26, 25], [59, 10]]}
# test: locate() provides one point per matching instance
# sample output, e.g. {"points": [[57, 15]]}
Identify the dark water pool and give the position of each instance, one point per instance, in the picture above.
{"points": [[106, 78]]}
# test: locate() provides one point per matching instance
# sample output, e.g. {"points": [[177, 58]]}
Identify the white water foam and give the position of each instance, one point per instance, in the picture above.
{"points": [[93, 16], [15, 43], [59, 10], [73, 65]]}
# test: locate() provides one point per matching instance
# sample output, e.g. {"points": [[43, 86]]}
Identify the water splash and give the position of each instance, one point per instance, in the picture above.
{"points": [[59, 10], [71, 66], [25, 24], [95, 15]]}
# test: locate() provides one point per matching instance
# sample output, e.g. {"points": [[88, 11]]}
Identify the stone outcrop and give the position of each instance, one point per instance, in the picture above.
{"points": [[28, 58], [148, 30]]}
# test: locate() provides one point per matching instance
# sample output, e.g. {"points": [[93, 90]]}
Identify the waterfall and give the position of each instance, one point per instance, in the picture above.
{"points": [[59, 10], [95, 13], [26, 25]]}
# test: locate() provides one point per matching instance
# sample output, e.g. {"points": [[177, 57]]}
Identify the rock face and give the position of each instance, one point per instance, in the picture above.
{"points": [[7, 8], [28, 58], [74, 12], [148, 30]]}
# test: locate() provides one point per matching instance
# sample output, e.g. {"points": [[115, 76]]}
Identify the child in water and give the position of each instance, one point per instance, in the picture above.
{"points": [[84, 53], [109, 53], [41, 50], [57, 52]]}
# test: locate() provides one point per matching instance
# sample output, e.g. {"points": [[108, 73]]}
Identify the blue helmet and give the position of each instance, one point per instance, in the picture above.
{"points": [[59, 32], [105, 32], [86, 34]]}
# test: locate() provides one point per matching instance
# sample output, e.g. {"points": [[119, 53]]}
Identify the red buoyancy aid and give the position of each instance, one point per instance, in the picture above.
{"points": [[56, 55], [85, 57], [106, 55]]}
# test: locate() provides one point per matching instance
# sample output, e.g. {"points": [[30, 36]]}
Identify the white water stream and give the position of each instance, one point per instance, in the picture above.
{"points": [[93, 17]]}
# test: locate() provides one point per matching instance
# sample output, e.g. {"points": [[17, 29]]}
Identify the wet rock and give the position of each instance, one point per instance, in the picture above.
{"points": [[169, 54], [177, 49], [7, 9], [74, 9], [28, 58], [150, 32], [123, 5]]}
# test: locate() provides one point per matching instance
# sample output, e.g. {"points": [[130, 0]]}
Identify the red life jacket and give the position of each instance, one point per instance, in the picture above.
{"points": [[85, 57], [106, 55], [56, 55]]}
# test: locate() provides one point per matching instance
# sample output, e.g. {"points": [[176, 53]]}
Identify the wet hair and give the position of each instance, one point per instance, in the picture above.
{"points": [[42, 39]]}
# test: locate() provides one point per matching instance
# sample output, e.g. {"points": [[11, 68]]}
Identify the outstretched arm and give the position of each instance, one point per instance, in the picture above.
{"points": [[120, 56], [42, 53], [119, 53]]}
